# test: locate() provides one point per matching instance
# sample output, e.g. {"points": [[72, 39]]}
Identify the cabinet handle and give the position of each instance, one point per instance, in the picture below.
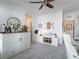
{"points": [[20, 39]]}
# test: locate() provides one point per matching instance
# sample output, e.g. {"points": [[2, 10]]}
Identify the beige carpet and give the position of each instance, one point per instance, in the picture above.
{"points": [[42, 51]]}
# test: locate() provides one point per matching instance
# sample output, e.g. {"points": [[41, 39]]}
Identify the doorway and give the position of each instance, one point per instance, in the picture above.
{"points": [[68, 27], [28, 23]]}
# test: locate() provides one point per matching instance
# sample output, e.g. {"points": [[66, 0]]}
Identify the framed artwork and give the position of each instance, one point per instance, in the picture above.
{"points": [[68, 26], [48, 25]]}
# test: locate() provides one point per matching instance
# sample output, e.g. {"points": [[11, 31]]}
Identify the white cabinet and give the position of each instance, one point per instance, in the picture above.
{"points": [[11, 44], [0, 46], [14, 43], [54, 40], [38, 38]]}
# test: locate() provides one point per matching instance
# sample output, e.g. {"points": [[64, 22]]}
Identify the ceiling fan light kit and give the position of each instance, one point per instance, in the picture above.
{"points": [[45, 2]]}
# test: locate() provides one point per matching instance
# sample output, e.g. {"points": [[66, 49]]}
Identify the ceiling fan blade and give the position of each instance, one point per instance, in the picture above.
{"points": [[41, 7], [49, 5], [36, 2], [50, 0]]}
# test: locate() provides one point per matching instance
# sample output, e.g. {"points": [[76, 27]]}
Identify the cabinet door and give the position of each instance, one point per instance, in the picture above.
{"points": [[54, 41], [7, 45], [39, 37], [14, 43], [10, 45], [24, 41]]}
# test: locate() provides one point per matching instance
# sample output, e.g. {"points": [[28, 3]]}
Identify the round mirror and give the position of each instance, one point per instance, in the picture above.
{"points": [[14, 22], [40, 25]]}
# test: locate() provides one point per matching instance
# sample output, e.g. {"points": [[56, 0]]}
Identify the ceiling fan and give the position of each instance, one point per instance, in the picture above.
{"points": [[45, 2]]}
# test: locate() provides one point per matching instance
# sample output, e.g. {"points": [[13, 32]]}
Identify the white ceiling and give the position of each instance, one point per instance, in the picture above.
{"points": [[66, 5]]}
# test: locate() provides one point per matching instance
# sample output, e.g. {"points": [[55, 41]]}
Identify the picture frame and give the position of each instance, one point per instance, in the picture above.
{"points": [[68, 26], [48, 25]]}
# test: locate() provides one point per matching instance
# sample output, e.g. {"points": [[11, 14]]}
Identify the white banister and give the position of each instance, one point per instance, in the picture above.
{"points": [[71, 51]]}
